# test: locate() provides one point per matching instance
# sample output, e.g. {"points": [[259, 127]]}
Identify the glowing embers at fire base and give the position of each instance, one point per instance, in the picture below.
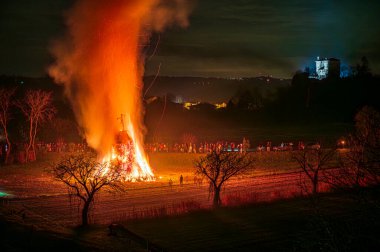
{"points": [[129, 153]]}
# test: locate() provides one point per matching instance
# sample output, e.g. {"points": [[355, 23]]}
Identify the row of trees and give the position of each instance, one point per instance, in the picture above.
{"points": [[356, 166], [85, 176], [332, 99], [36, 106]]}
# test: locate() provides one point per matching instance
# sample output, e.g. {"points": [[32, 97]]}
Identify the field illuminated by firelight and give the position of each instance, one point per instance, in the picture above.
{"points": [[34, 191]]}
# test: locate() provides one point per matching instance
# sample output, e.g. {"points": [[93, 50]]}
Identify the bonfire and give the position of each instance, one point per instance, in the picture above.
{"points": [[101, 62], [128, 152]]}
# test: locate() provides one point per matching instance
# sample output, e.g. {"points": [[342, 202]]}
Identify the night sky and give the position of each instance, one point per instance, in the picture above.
{"points": [[226, 38]]}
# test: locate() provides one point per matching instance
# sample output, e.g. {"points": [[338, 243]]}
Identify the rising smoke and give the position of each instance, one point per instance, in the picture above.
{"points": [[100, 61]]}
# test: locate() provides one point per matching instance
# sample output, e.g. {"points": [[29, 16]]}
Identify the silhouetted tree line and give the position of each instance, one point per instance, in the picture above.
{"points": [[330, 99]]}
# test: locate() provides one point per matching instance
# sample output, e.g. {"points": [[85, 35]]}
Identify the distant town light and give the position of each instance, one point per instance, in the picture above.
{"points": [[188, 105], [220, 105]]}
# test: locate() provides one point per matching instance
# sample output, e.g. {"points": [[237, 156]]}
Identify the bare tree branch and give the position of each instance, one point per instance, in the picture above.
{"points": [[218, 167], [5, 115], [37, 108], [312, 161], [87, 177]]}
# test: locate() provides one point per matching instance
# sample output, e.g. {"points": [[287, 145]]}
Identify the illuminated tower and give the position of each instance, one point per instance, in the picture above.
{"points": [[327, 68]]}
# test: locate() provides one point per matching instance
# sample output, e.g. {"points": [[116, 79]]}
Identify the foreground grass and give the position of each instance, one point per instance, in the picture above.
{"points": [[336, 223], [17, 236], [332, 222]]}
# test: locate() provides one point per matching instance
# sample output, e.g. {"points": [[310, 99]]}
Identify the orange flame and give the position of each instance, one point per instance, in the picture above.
{"points": [[132, 158], [101, 66]]}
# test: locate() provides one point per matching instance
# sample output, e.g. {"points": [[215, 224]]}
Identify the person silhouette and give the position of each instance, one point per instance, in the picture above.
{"points": [[181, 180]]}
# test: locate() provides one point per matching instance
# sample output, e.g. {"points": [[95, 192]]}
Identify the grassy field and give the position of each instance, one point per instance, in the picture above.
{"points": [[166, 165], [265, 163], [327, 133], [337, 223]]}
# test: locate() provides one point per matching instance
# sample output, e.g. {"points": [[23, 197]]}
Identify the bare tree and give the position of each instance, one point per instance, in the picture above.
{"points": [[352, 165], [361, 162], [312, 162], [5, 116], [367, 126], [219, 167], [86, 177], [37, 107]]}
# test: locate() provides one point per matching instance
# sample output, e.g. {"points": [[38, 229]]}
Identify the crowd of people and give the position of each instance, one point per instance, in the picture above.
{"points": [[19, 148], [61, 147], [207, 147], [284, 146], [204, 147]]}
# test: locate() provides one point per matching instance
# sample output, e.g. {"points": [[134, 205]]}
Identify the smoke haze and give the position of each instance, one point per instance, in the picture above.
{"points": [[100, 61]]}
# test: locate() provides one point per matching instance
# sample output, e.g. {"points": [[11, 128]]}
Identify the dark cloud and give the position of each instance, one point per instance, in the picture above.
{"points": [[273, 37], [225, 37]]}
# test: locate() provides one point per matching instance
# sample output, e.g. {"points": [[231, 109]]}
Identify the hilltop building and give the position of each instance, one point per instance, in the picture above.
{"points": [[325, 67]]}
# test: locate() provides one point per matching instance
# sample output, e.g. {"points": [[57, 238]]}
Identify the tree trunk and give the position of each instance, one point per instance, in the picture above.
{"points": [[8, 152], [85, 213], [315, 183], [85, 210], [358, 175], [217, 201], [4, 125], [33, 141], [30, 140]]}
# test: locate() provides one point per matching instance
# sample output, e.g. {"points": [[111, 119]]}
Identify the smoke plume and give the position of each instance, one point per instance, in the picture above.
{"points": [[100, 61]]}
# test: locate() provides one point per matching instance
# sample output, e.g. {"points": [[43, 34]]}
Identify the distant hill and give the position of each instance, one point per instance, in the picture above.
{"points": [[211, 89], [200, 89]]}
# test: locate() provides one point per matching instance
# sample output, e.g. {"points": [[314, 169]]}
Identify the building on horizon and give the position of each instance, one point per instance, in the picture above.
{"points": [[326, 67]]}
